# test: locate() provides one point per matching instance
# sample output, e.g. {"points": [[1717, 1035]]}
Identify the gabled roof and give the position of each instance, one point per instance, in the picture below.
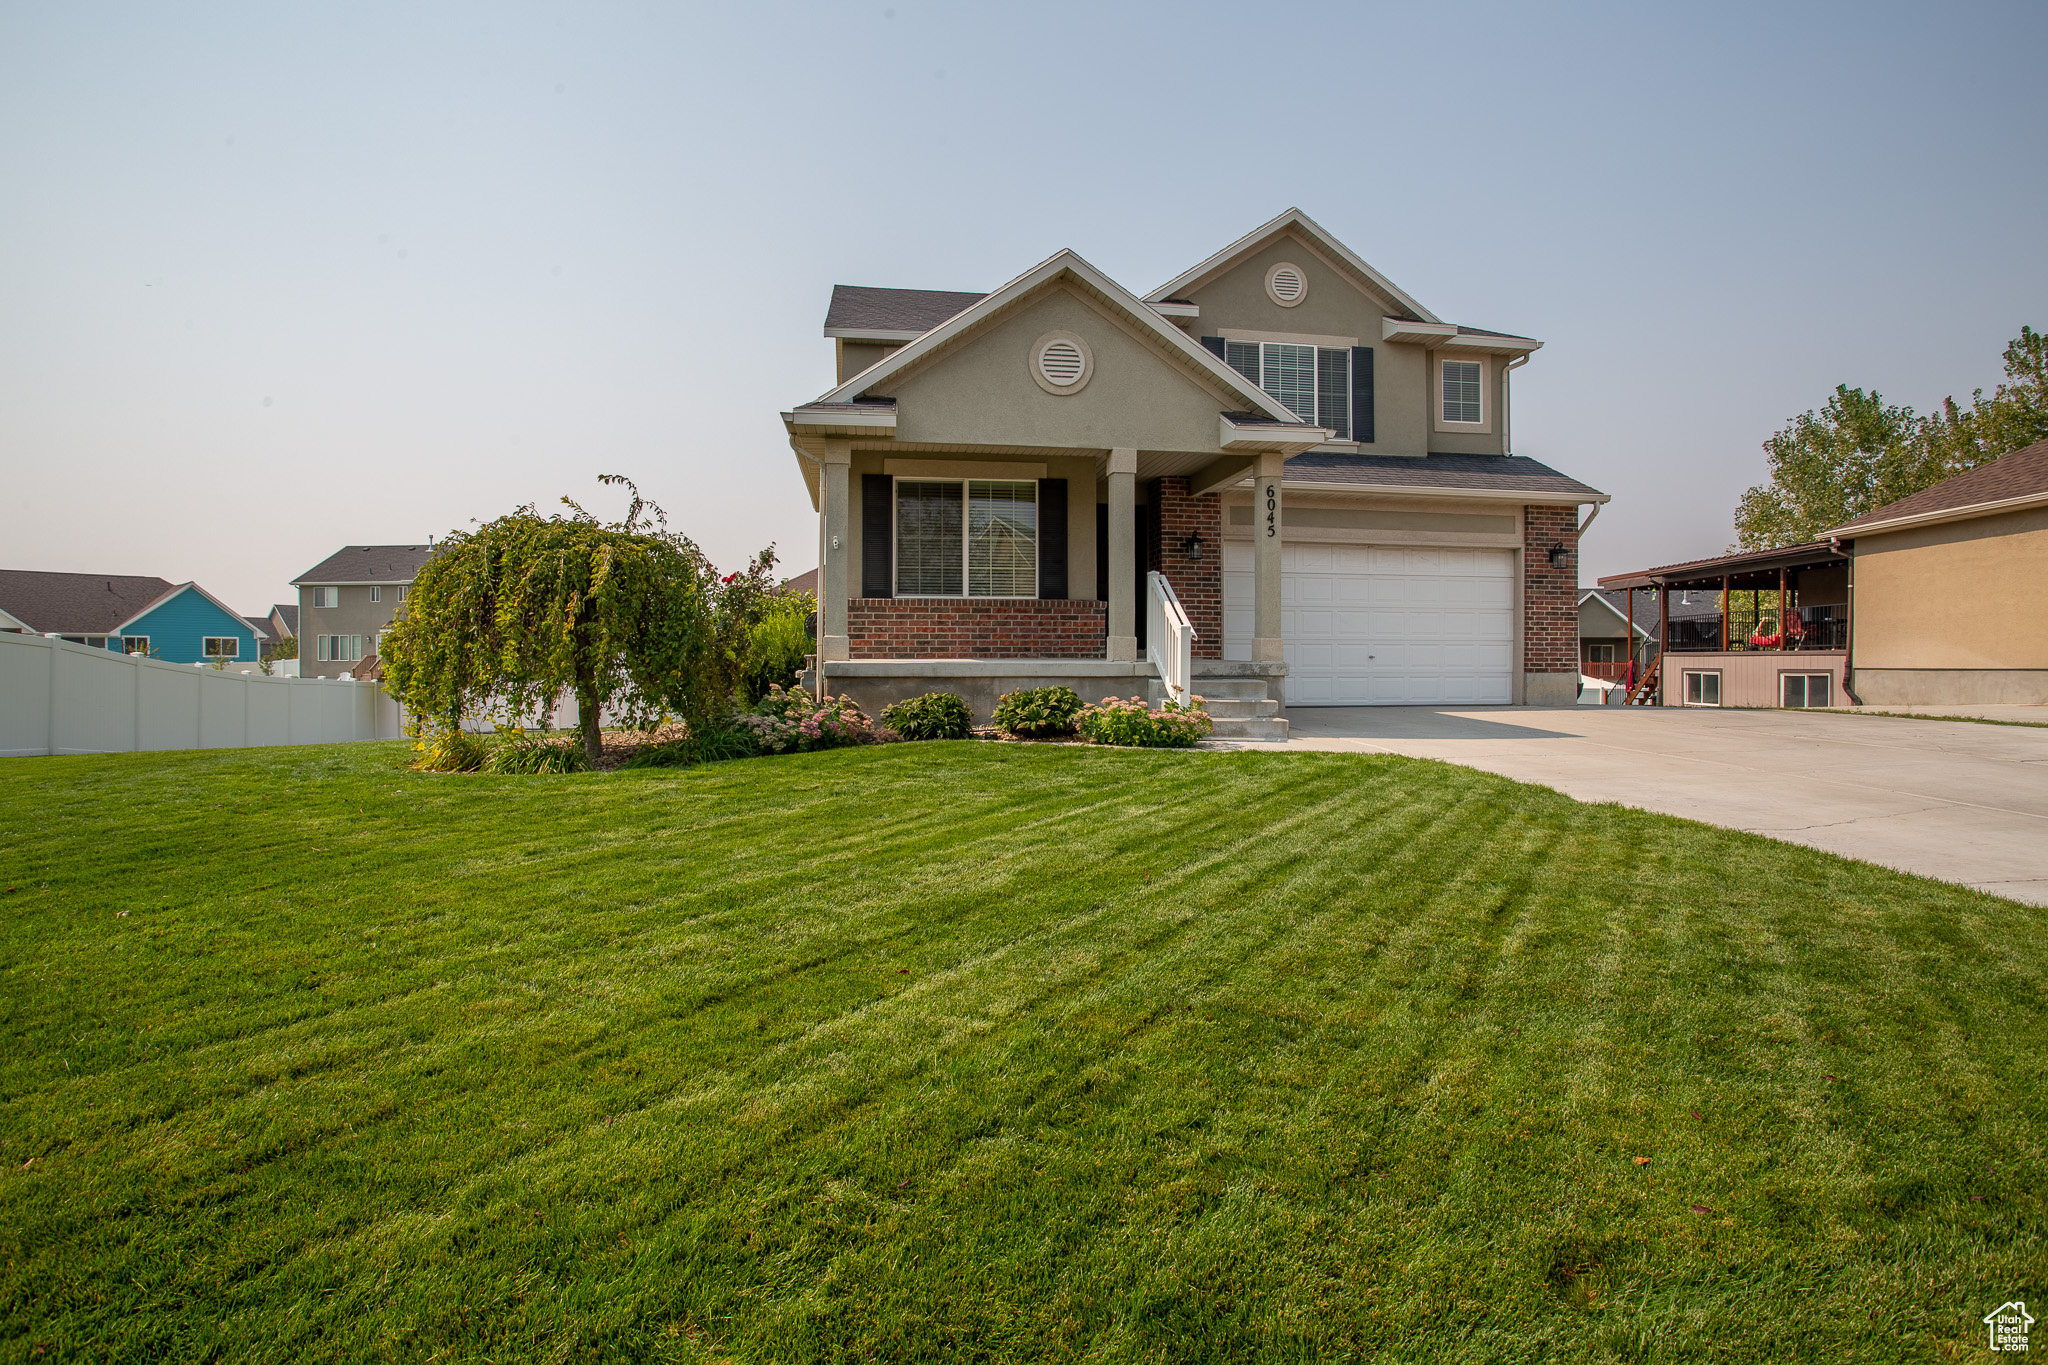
{"points": [[76, 603], [1308, 227], [287, 615], [862, 312], [2008, 483], [178, 589], [1614, 601], [1069, 265], [365, 564], [1516, 475]]}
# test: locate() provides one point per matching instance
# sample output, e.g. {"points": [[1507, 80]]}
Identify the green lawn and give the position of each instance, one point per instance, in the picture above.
{"points": [[981, 1051]]}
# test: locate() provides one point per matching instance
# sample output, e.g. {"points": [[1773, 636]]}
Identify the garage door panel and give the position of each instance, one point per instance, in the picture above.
{"points": [[1383, 625]]}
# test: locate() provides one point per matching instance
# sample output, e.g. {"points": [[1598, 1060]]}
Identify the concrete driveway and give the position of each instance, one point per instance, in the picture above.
{"points": [[1965, 803]]}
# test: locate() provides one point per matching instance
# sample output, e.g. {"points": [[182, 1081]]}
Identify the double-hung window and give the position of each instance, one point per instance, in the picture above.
{"points": [[376, 593], [1461, 391], [1313, 383], [966, 538]]}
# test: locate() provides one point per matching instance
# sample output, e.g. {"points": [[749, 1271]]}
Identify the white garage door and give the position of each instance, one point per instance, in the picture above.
{"points": [[1367, 625]]}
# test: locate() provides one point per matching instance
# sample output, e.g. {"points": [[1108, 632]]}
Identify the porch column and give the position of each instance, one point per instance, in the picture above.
{"points": [[1266, 515], [1123, 554], [836, 553]]}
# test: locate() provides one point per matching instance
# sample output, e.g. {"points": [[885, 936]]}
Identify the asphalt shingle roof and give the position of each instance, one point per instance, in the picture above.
{"points": [[76, 603], [2024, 473], [864, 307], [368, 564], [287, 612], [1489, 473]]}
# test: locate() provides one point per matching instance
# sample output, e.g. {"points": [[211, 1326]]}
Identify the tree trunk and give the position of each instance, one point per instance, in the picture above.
{"points": [[591, 722]]}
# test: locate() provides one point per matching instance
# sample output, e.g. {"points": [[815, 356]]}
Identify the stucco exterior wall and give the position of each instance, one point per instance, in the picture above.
{"points": [[357, 615], [1404, 393], [983, 393], [1965, 595]]}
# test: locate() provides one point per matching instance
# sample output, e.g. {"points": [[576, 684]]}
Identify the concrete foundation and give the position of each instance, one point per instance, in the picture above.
{"points": [[876, 683], [1882, 687], [1550, 689]]}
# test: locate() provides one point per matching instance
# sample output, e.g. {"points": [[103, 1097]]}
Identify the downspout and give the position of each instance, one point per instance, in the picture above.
{"points": [[1848, 626], [1507, 411]]}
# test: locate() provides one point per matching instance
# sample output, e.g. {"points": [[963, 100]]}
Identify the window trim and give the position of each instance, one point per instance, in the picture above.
{"points": [[1482, 427], [125, 639], [966, 593], [1806, 689], [1686, 675], [207, 643], [376, 592], [321, 600]]}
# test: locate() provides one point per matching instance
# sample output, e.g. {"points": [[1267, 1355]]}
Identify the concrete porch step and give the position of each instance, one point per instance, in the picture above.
{"points": [[1229, 689], [1270, 728], [1241, 708]]}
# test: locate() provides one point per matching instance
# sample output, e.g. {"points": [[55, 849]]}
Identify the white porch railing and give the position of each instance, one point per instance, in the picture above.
{"points": [[1169, 639]]}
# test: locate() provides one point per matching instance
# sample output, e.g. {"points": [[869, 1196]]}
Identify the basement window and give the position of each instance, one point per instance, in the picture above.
{"points": [[1802, 691], [1703, 687]]}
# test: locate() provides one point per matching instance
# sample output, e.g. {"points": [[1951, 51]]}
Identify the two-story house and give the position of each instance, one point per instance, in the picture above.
{"points": [[348, 600], [180, 623], [1279, 447]]}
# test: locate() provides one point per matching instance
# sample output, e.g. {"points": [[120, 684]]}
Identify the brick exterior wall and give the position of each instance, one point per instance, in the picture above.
{"points": [[1550, 606], [976, 628], [1197, 582]]}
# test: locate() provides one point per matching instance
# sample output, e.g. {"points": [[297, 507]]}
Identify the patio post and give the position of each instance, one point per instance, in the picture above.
{"points": [[1266, 537], [1781, 607], [1663, 637], [1123, 554], [1727, 645], [837, 554]]}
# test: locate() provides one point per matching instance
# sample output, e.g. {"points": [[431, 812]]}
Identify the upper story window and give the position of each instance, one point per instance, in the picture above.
{"points": [[327, 597], [966, 538], [1313, 383], [1461, 391], [376, 593]]}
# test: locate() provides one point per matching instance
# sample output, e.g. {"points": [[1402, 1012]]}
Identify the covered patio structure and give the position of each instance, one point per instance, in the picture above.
{"points": [[1780, 638]]}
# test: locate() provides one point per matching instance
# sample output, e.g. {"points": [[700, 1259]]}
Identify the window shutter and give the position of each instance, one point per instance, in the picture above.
{"points": [[1052, 537], [1102, 552], [1333, 391], [1361, 394], [877, 560], [1215, 344]]}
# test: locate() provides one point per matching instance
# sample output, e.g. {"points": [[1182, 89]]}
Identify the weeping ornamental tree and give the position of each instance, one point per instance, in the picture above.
{"points": [[628, 617]]}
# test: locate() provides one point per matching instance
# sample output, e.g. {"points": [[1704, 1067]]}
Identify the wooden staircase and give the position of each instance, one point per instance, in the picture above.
{"points": [[1644, 693]]}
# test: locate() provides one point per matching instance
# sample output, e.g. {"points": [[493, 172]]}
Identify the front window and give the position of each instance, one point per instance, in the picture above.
{"points": [[966, 538], [1313, 383], [1461, 391], [221, 647]]}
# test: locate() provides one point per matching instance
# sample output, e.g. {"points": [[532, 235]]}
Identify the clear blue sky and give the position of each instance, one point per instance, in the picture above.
{"points": [[278, 278]]}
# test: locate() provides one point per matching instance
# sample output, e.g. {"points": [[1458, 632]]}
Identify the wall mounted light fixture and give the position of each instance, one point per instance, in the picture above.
{"points": [[1192, 546], [1557, 556]]}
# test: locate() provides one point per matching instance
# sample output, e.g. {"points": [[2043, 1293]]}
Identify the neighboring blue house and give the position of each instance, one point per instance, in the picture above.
{"points": [[181, 623]]}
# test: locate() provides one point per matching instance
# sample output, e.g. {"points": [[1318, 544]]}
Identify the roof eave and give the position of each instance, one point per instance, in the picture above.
{"points": [[1851, 530]]}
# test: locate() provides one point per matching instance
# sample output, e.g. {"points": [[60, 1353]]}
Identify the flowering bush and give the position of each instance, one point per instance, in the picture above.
{"points": [[935, 715], [1038, 712], [789, 721], [1132, 723], [447, 750]]}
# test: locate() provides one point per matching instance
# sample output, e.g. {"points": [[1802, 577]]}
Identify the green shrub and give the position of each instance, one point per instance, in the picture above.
{"points": [[935, 715], [1131, 723], [1039, 712], [526, 754], [777, 645], [449, 751], [790, 721]]}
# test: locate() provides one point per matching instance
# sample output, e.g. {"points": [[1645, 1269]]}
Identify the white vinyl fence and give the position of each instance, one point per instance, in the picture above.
{"points": [[60, 698]]}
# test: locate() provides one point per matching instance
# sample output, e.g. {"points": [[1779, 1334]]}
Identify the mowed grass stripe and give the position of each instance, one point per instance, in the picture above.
{"points": [[1000, 1052]]}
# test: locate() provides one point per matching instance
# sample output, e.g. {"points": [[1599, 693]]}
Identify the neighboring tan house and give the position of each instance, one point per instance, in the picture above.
{"points": [[348, 599], [181, 623], [1951, 590], [1279, 450], [1607, 644]]}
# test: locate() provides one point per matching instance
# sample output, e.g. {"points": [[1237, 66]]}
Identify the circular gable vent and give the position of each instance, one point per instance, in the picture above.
{"points": [[1061, 363], [1287, 284]]}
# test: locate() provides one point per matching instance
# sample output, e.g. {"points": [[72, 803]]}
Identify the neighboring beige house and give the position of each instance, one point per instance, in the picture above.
{"points": [[1951, 590], [1277, 477], [348, 600]]}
